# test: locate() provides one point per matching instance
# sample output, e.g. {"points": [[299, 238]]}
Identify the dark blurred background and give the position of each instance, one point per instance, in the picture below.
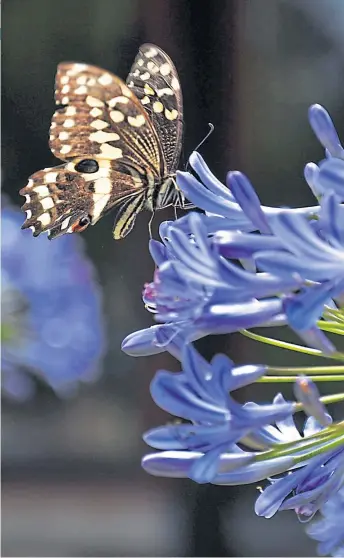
{"points": [[71, 478]]}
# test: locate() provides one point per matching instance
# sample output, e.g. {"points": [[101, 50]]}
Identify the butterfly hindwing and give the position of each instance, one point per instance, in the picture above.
{"points": [[126, 216], [58, 198], [154, 80]]}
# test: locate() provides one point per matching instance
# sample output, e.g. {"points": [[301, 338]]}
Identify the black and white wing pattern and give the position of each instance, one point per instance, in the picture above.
{"points": [[154, 80], [115, 151]]}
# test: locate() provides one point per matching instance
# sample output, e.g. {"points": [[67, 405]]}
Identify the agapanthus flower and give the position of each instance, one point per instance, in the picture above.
{"points": [[201, 394], [327, 529], [237, 266], [52, 325]]}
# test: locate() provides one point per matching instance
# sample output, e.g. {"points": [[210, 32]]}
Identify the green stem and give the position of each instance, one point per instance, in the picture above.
{"points": [[288, 379], [290, 346], [333, 444], [332, 327], [317, 440], [279, 370]]}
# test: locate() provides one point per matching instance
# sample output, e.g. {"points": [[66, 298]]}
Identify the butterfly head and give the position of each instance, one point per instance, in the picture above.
{"points": [[67, 198]]}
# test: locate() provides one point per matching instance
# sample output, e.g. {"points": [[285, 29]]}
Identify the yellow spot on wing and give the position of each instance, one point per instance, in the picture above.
{"points": [[63, 136], [81, 80], [158, 106], [151, 52], [105, 79], [119, 99], [49, 177], [102, 137], [136, 121], [99, 124], [44, 219], [148, 90], [145, 100], [96, 112], [47, 203], [165, 69], [111, 152], [70, 111], [117, 116], [171, 114], [165, 91], [81, 90], [93, 101], [65, 149], [175, 84]]}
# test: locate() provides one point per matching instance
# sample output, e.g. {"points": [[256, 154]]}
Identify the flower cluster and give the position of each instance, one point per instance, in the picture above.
{"points": [[51, 316], [237, 266]]}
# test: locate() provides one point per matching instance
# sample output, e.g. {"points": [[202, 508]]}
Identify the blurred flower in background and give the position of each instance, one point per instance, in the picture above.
{"points": [[51, 322]]}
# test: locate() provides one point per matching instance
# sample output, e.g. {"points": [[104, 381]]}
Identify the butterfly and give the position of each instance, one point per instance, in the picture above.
{"points": [[120, 143]]}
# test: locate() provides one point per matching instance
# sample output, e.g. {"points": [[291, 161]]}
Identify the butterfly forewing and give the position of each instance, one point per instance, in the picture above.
{"points": [[102, 117], [154, 80]]}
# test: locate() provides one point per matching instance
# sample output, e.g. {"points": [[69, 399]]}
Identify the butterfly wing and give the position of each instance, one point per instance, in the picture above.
{"points": [[59, 200], [99, 121], [102, 117], [154, 80]]}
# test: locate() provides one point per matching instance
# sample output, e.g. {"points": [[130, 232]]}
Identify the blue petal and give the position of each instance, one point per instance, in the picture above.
{"points": [[269, 502], [203, 198], [236, 245], [158, 252], [206, 467], [325, 131], [211, 182], [311, 172], [174, 394], [332, 220], [307, 393], [248, 200], [253, 472], [305, 308], [331, 176], [317, 339]]}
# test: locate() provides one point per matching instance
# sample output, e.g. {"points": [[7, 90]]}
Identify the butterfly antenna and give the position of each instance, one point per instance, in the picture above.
{"points": [[211, 129]]}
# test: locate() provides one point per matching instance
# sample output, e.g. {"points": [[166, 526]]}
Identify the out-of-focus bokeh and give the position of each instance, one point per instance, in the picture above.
{"points": [[74, 406]]}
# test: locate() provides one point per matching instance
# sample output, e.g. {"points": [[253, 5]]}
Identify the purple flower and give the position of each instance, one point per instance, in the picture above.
{"points": [[329, 530], [196, 291], [51, 311], [200, 394], [331, 177], [325, 131], [238, 266], [317, 256], [306, 489], [232, 207]]}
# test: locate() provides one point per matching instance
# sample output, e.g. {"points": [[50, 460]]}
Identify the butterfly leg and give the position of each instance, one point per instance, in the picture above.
{"points": [[150, 225], [182, 203], [188, 205]]}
